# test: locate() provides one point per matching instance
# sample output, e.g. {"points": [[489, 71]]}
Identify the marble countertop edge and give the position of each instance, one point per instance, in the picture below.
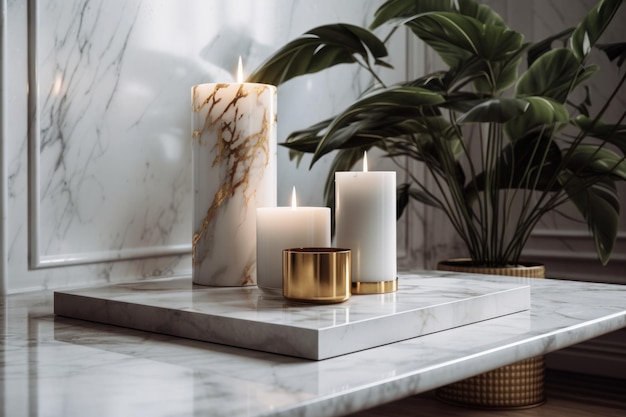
{"points": [[419, 381]]}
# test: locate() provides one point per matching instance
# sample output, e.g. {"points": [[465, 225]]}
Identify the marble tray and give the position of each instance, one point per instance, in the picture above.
{"points": [[248, 318]]}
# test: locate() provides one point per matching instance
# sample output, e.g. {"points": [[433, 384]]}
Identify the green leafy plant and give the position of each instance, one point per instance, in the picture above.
{"points": [[503, 145]]}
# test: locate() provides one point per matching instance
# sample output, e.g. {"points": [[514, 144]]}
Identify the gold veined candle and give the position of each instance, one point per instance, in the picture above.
{"points": [[234, 172]]}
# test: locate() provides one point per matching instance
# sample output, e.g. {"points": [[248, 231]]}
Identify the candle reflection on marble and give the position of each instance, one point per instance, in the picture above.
{"points": [[234, 172], [365, 218], [281, 228]]}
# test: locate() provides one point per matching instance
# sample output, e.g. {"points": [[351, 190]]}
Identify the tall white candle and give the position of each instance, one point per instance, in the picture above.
{"points": [[281, 228], [234, 172], [365, 221]]}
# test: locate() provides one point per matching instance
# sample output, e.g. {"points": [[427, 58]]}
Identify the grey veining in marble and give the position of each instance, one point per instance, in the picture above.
{"points": [[247, 317], [53, 366]]}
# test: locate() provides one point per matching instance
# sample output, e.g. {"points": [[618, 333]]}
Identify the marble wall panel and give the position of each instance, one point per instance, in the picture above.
{"points": [[95, 124]]}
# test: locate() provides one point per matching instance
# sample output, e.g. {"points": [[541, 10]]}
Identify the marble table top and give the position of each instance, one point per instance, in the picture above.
{"points": [[56, 366]]}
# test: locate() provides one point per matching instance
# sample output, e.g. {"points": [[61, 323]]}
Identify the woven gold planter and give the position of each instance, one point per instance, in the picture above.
{"points": [[526, 270], [520, 385]]}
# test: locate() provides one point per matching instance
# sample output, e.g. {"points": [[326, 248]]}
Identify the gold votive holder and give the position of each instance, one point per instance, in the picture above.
{"points": [[318, 275]]}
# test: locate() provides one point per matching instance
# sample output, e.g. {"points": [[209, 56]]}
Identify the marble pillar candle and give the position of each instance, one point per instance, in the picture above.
{"points": [[365, 221], [234, 172], [280, 228]]}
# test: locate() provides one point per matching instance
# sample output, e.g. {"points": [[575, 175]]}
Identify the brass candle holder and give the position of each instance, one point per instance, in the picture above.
{"points": [[319, 275]]}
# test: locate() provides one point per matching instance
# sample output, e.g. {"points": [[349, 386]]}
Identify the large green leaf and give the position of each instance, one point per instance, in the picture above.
{"points": [[592, 26], [553, 75], [318, 49], [612, 133], [502, 74], [589, 183], [598, 203], [385, 108], [456, 37], [593, 160], [401, 9], [396, 9], [396, 135], [307, 140], [469, 69], [544, 46], [542, 114], [497, 110], [462, 101], [372, 127]]}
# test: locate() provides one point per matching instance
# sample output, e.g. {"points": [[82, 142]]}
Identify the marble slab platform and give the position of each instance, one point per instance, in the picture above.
{"points": [[246, 317]]}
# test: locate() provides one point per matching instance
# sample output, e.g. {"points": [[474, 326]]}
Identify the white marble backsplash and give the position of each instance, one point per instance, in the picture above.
{"points": [[96, 139]]}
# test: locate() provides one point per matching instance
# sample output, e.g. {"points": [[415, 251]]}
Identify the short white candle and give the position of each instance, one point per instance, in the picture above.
{"points": [[281, 228], [365, 219]]}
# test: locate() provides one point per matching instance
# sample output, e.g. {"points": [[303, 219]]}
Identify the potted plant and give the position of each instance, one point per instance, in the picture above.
{"points": [[505, 132]]}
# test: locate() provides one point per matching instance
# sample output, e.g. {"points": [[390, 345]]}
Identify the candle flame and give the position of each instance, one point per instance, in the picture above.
{"points": [[294, 203], [365, 161], [239, 71]]}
